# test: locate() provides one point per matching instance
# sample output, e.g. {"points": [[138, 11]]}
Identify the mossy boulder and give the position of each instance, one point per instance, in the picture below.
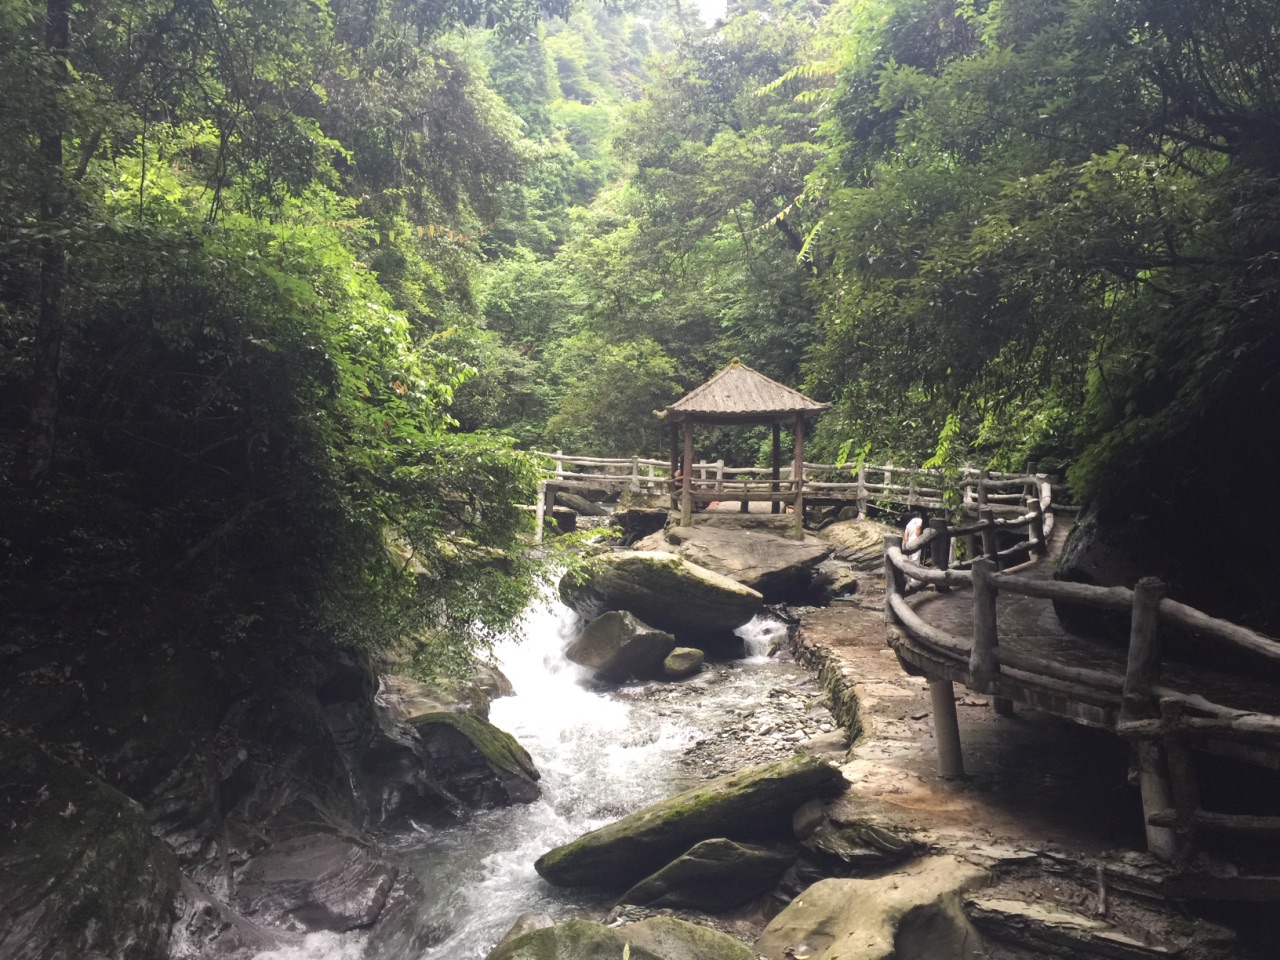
{"points": [[475, 761], [712, 876], [664, 591], [859, 543], [80, 873], [580, 505], [618, 646], [683, 662], [752, 803], [661, 938]]}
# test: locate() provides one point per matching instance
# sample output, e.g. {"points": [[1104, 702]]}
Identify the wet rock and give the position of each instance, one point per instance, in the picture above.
{"points": [[830, 745], [80, 874], [636, 523], [712, 876], [858, 846], [682, 662], [476, 762], [859, 543], [671, 594], [774, 564], [580, 505], [618, 646], [913, 914], [564, 519], [832, 579], [755, 803], [659, 938], [408, 698], [316, 882], [526, 923]]}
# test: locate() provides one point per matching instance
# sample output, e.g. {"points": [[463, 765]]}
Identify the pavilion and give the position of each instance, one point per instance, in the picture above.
{"points": [[738, 395]]}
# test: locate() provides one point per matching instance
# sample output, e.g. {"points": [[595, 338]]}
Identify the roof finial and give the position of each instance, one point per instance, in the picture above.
{"points": [[735, 362]]}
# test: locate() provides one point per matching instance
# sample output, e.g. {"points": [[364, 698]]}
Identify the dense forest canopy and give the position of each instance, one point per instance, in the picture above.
{"points": [[288, 285]]}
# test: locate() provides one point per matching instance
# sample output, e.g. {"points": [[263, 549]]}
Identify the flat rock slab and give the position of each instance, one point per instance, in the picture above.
{"points": [[914, 914], [753, 803], [713, 876], [663, 590], [661, 938], [779, 567], [1048, 927]]}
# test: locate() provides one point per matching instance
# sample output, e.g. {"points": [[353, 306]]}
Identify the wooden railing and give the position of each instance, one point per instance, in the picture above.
{"points": [[1161, 722], [865, 484]]}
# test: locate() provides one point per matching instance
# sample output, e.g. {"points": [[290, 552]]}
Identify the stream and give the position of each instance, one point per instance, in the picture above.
{"points": [[602, 754]]}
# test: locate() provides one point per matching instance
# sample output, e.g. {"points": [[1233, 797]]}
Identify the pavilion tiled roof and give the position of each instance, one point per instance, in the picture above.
{"points": [[737, 392]]}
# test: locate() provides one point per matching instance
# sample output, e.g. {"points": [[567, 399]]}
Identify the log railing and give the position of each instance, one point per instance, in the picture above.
{"points": [[1162, 723]]}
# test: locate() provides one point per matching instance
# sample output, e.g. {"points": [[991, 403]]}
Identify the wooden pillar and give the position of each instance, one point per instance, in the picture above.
{"points": [[540, 512], [1143, 670], [982, 655], [675, 460], [895, 582], [862, 492], [946, 728], [1139, 703], [940, 548], [797, 477], [686, 495], [775, 506], [635, 475], [982, 488]]}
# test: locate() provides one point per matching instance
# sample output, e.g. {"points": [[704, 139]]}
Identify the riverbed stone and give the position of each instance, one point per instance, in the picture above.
{"points": [[659, 938], [773, 563], [712, 876], [580, 505], [683, 662], [912, 914], [859, 543], [476, 762], [750, 804], [664, 591], [80, 873], [618, 646]]}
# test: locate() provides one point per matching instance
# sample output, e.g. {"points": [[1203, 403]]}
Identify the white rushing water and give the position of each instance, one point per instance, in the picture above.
{"points": [[601, 753]]}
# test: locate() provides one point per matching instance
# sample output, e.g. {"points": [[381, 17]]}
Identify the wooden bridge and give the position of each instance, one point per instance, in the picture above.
{"points": [[820, 484]]}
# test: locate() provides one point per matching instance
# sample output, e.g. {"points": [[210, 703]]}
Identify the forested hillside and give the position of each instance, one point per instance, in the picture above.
{"points": [[289, 279]]}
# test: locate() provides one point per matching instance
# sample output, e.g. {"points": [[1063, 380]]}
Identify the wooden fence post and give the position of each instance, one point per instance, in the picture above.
{"points": [[895, 581], [982, 656], [1041, 546], [635, 474], [719, 478], [1139, 703], [540, 512], [862, 492], [686, 494], [983, 493], [940, 548], [989, 535]]}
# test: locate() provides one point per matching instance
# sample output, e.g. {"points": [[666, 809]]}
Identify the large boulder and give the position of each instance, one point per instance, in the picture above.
{"points": [[752, 803], [858, 542], [914, 914], [407, 698], [660, 938], [618, 647], [663, 590], [714, 875], [774, 564], [316, 882], [80, 873], [476, 762]]}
